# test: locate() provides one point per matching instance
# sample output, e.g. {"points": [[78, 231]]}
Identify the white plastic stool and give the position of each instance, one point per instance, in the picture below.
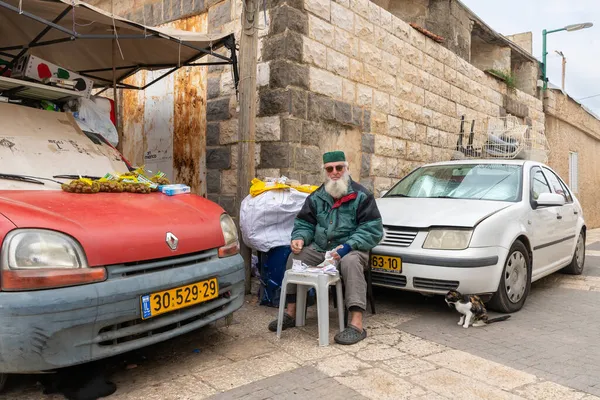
{"points": [[321, 283]]}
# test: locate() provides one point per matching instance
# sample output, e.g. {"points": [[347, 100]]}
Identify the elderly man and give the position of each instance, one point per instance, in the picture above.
{"points": [[340, 216]]}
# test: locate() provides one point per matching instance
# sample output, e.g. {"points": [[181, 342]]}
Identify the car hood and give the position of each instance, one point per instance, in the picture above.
{"points": [[424, 213], [116, 228]]}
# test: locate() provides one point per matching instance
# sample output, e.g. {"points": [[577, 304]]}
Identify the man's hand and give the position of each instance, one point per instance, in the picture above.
{"points": [[340, 251], [297, 246]]}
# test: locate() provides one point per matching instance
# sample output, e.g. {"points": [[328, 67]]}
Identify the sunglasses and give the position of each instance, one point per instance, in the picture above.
{"points": [[338, 168]]}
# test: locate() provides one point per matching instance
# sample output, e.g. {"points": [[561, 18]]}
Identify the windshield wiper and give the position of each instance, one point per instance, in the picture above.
{"points": [[21, 178], [443, 197], [396, 195], [94, 178]]}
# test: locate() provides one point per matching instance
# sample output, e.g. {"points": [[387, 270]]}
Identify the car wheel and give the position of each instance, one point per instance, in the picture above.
{"points": [[578, 261], [515, 281]]}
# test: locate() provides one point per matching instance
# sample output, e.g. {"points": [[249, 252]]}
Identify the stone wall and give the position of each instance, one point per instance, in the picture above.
{"points": [[349, 74], [490, 56], [570, 128]]}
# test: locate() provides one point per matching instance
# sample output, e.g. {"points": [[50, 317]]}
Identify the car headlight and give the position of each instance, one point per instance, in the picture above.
{"points": [[36, 248], [41, 259], [232, 245], [448, 239]]}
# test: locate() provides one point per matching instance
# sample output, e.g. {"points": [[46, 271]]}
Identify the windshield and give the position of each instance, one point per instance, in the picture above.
{"points": [[500, 182], [41, 149]]}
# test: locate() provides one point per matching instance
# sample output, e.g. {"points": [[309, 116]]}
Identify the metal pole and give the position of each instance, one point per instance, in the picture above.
{"points": [[544, 59], [564, 63]]}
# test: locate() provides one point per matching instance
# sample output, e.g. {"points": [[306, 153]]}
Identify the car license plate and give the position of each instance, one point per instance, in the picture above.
{"points": [[173, 299], [386, 263]]}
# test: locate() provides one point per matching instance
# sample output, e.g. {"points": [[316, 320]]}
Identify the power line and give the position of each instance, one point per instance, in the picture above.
{"points": [[589, 97]]}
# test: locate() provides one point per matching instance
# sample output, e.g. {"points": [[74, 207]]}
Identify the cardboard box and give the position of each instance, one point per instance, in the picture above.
{"points": [[40, 70]]}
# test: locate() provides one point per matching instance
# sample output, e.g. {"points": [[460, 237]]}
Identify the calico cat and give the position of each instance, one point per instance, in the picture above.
{"points": [[472, 309]]}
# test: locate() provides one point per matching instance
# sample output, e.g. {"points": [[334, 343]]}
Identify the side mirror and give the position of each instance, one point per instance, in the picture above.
{"points": [[550, 200], [382, 193]]}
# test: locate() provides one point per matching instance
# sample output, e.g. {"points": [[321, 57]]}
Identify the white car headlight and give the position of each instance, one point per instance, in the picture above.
{"points": [[38, 248], [448, 239], [232, 245]]}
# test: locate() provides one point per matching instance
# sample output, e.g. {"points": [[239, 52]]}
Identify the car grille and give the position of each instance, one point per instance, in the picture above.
{"points": [[435, 284], [398, 236], [148, 266], [390, 280]]}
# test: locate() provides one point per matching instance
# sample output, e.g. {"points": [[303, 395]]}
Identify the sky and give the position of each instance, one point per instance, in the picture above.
{"points": [[581, 48]]}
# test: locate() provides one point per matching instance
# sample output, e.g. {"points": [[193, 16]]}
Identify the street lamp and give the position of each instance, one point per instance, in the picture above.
{"points": [[568, 28]]}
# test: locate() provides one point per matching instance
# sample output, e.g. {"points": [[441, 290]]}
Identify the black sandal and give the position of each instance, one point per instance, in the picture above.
{"points": [[350, 335], [288, 322]]}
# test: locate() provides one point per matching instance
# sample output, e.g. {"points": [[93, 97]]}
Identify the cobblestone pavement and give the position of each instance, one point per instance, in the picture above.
{"points": [[414, 350]]}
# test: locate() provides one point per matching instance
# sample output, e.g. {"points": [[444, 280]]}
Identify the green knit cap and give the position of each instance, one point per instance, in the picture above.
{"points": [[334, 156]]}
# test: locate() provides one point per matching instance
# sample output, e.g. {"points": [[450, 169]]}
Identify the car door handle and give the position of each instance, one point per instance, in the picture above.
{"points": [[575, 212], [559, 217]]}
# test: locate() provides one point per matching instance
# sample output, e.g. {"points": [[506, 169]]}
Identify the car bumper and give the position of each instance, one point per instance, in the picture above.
{"points": [[49, 329], [472, 271]]}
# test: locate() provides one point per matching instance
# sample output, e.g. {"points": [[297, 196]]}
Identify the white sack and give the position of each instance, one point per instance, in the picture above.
{"points": [[267, 220], [93, 115]]}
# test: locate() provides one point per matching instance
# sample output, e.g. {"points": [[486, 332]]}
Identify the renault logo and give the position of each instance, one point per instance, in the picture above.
{"points": [[172, 241]]}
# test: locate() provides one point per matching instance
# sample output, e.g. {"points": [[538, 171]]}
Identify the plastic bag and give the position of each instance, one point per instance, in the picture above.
{"points": [[267, 220], [259, 187], [94, 117]]}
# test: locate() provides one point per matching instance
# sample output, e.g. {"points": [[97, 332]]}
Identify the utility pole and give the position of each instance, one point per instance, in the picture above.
{"points": [[564, 63], [247, 114]]}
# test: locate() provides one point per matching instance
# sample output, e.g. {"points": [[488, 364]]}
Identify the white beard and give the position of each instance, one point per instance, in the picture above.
{"points": [[339, 188]]}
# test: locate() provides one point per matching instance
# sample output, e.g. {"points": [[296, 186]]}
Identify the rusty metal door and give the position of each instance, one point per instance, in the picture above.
{"points": [[164, 126]]}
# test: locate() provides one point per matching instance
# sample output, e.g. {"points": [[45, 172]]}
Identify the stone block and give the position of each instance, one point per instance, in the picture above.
{"points": [[321, 31], [364, 29], [357, 116], [342, 17], [218, 158], [367, 182], [414, 151], [219, 15], [395, 126], [390, 63], [312, 132], [364, 95], [308, 159], [374, 13], [515, 107], [229, 181], [386, 20], [379, 123], [268, 129], [228, 203], [153, 14], [433, 136], [314, 53], [284, 45], [343, 112], [263, 74], [286, 17], [299, 100], [338, 63], [346, 43], [275, 155], [268, 173], [324, 82], [349, 91], [228, 131], [385, 81], [284, 73], [367, 143], [360, 7], [381, 37], [217, 110], [370, 54], [320, 108], [345, 3], [396, 46], [322, 8], [381, 101], [379, 165], [212, 133], [274, 102], [213, 181], [292, 130], [365, 166], [356, 70], [384, 146], [367, 121], [409, 130], [399, 147], [227, 85], [380, 184]]}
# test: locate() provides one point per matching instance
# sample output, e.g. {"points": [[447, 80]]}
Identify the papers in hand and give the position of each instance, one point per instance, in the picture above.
{"points": [[299, 266]]}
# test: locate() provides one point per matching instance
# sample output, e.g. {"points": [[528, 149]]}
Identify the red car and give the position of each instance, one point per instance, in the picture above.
{"points": [[88, 276]]}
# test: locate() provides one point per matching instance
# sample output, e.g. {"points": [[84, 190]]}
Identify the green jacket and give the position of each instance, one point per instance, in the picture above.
{"points": [[354, 219]]}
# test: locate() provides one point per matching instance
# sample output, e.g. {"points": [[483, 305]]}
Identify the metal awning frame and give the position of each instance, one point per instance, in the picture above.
{"points": [[228, 42]]}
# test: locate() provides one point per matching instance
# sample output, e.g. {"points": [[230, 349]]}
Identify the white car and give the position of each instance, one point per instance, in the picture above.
{"points": [[487, 227]]}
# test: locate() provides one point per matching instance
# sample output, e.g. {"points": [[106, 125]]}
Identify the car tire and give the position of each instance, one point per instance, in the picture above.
{"points": [[578, 260], [515, 281]]}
